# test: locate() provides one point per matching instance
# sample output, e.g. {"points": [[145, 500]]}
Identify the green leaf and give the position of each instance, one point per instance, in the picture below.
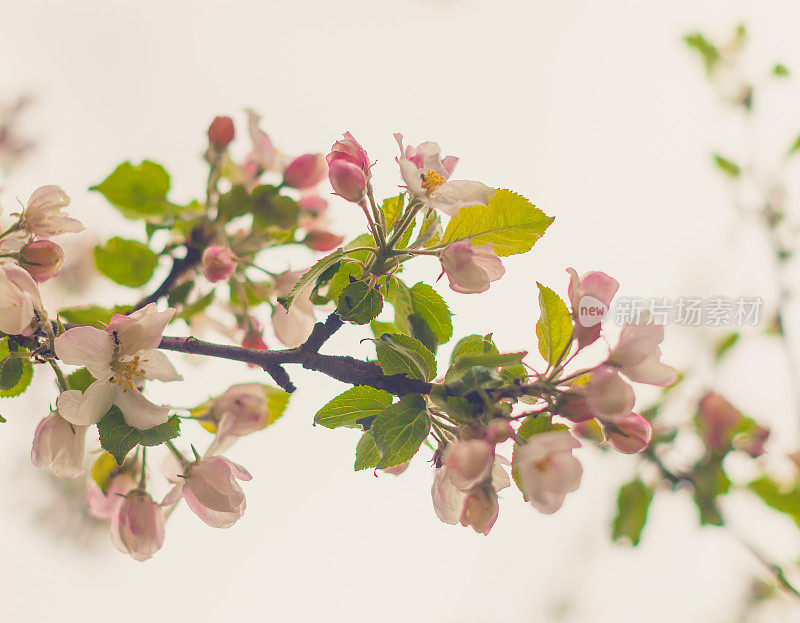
{"points": [[795, 146], [80, 379], [118, 438], [707, 50], [710, 482], [633, 503], [400, 429], [179, 294], [89, 314], [391, 208], [190, 310], [780, 70], [428, 304], [138, 191], [128, 262], [271, 209], [102, 470], [554, 328], [728, 167], [403, 354], [310, 277], [277, 401], [780, 498], [421, 330], [472, 345], [536, 425], [359, 303], [367, 454], [353, 405], [11, 369], [484, 360], [511, 223], [346, 273], [725, 344]]}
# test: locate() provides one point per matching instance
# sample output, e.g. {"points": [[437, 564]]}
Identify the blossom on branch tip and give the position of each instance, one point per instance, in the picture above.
{"points": [[292, 327], [218, 263], [468, 461], [43, 259], [638, 356], [137, 527], [20, 301], [58, 443], [608, 395], [121, 358], [43, 215], [427, 177], [547, 470], [210, 489], [590, 296], [470, 269], [221, 132], [104, 505]]}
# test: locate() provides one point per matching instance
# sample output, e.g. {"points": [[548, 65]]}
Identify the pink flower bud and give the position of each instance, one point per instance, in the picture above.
{"points": [[348, 180], [319, 240], [104, 505], [607, 395], [305, 171], [753, 443], [499, 431], [349, 150], [312, 203], [717, 419], [590, 296], [220, 132], [255, 340], [218, 263], [43, 259], [574, 406], [245, 405], [138, 526], [468, 461], [58, 443], [471, 269], [630, 433]]}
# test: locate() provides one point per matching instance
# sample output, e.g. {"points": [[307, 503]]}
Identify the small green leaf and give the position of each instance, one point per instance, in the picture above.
{"points": [[778, 497], [795, 146], [780, 70], [421, 330], [103, 468], [391, 208], [400, 429], [511, 223], [728, 167], [484, 360], [179, 294], [536, 425], [118, 438], [426, 302], [310, 277], [80, 379], [633, 503], [89, 314], [128, 262], [11, 369], [277, 401], [403, 354], [725, 344], [138, 191], [271, 209], [473, 345], [353, 405], [554, 328], [707, 50], [367, 454], [359, 303], [190, 310]]}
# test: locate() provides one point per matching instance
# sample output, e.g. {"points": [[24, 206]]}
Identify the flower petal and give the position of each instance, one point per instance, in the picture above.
{"points": [[158, 367], [86, 346], [137, 410]]}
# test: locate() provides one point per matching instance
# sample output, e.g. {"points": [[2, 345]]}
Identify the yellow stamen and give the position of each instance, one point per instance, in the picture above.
{"points": [[127, 373], [431, 181]]}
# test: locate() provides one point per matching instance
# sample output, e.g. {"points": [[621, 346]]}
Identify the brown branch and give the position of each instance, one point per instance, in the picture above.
{"points": [[180, 266]]}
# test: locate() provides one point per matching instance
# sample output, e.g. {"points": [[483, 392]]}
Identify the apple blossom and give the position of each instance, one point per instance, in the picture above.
{"points": [[350, 150], [43, 259], [210, 489], [305, 171], [292, 327], [471, 269], [468, 461], [121, 358], [20, 301], [241, 410], [547, 470], [717, 418], [753, 442], [58, 443], [218, 263], [427, 174], [607, 394], [43, 215], [629, 433], [137, 527], [590, 296], [471, 506], [638, 356], [348, 180], [319, 240]]}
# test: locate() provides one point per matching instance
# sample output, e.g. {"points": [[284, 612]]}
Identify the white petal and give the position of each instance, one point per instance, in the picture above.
{"points": [[137, 410], [95, 403], [68, 403], [145, 332], [456, 194], [158, 367], [86, 346]]}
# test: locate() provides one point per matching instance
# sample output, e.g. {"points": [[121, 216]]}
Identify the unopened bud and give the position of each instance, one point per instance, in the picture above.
{"points": [[42, 259], [305, 171], [220, 132], [218, 263], [322, 240], [348, 180]]}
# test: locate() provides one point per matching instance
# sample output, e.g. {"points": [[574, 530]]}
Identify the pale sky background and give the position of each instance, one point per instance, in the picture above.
{"points": [[594, 110]]}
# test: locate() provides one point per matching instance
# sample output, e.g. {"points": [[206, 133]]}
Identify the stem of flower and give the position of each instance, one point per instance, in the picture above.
{"points": [[177, 454]]}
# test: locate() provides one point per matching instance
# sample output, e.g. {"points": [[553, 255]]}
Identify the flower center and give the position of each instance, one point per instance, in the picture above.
{"points": [[127, 373], [431, 181]]}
